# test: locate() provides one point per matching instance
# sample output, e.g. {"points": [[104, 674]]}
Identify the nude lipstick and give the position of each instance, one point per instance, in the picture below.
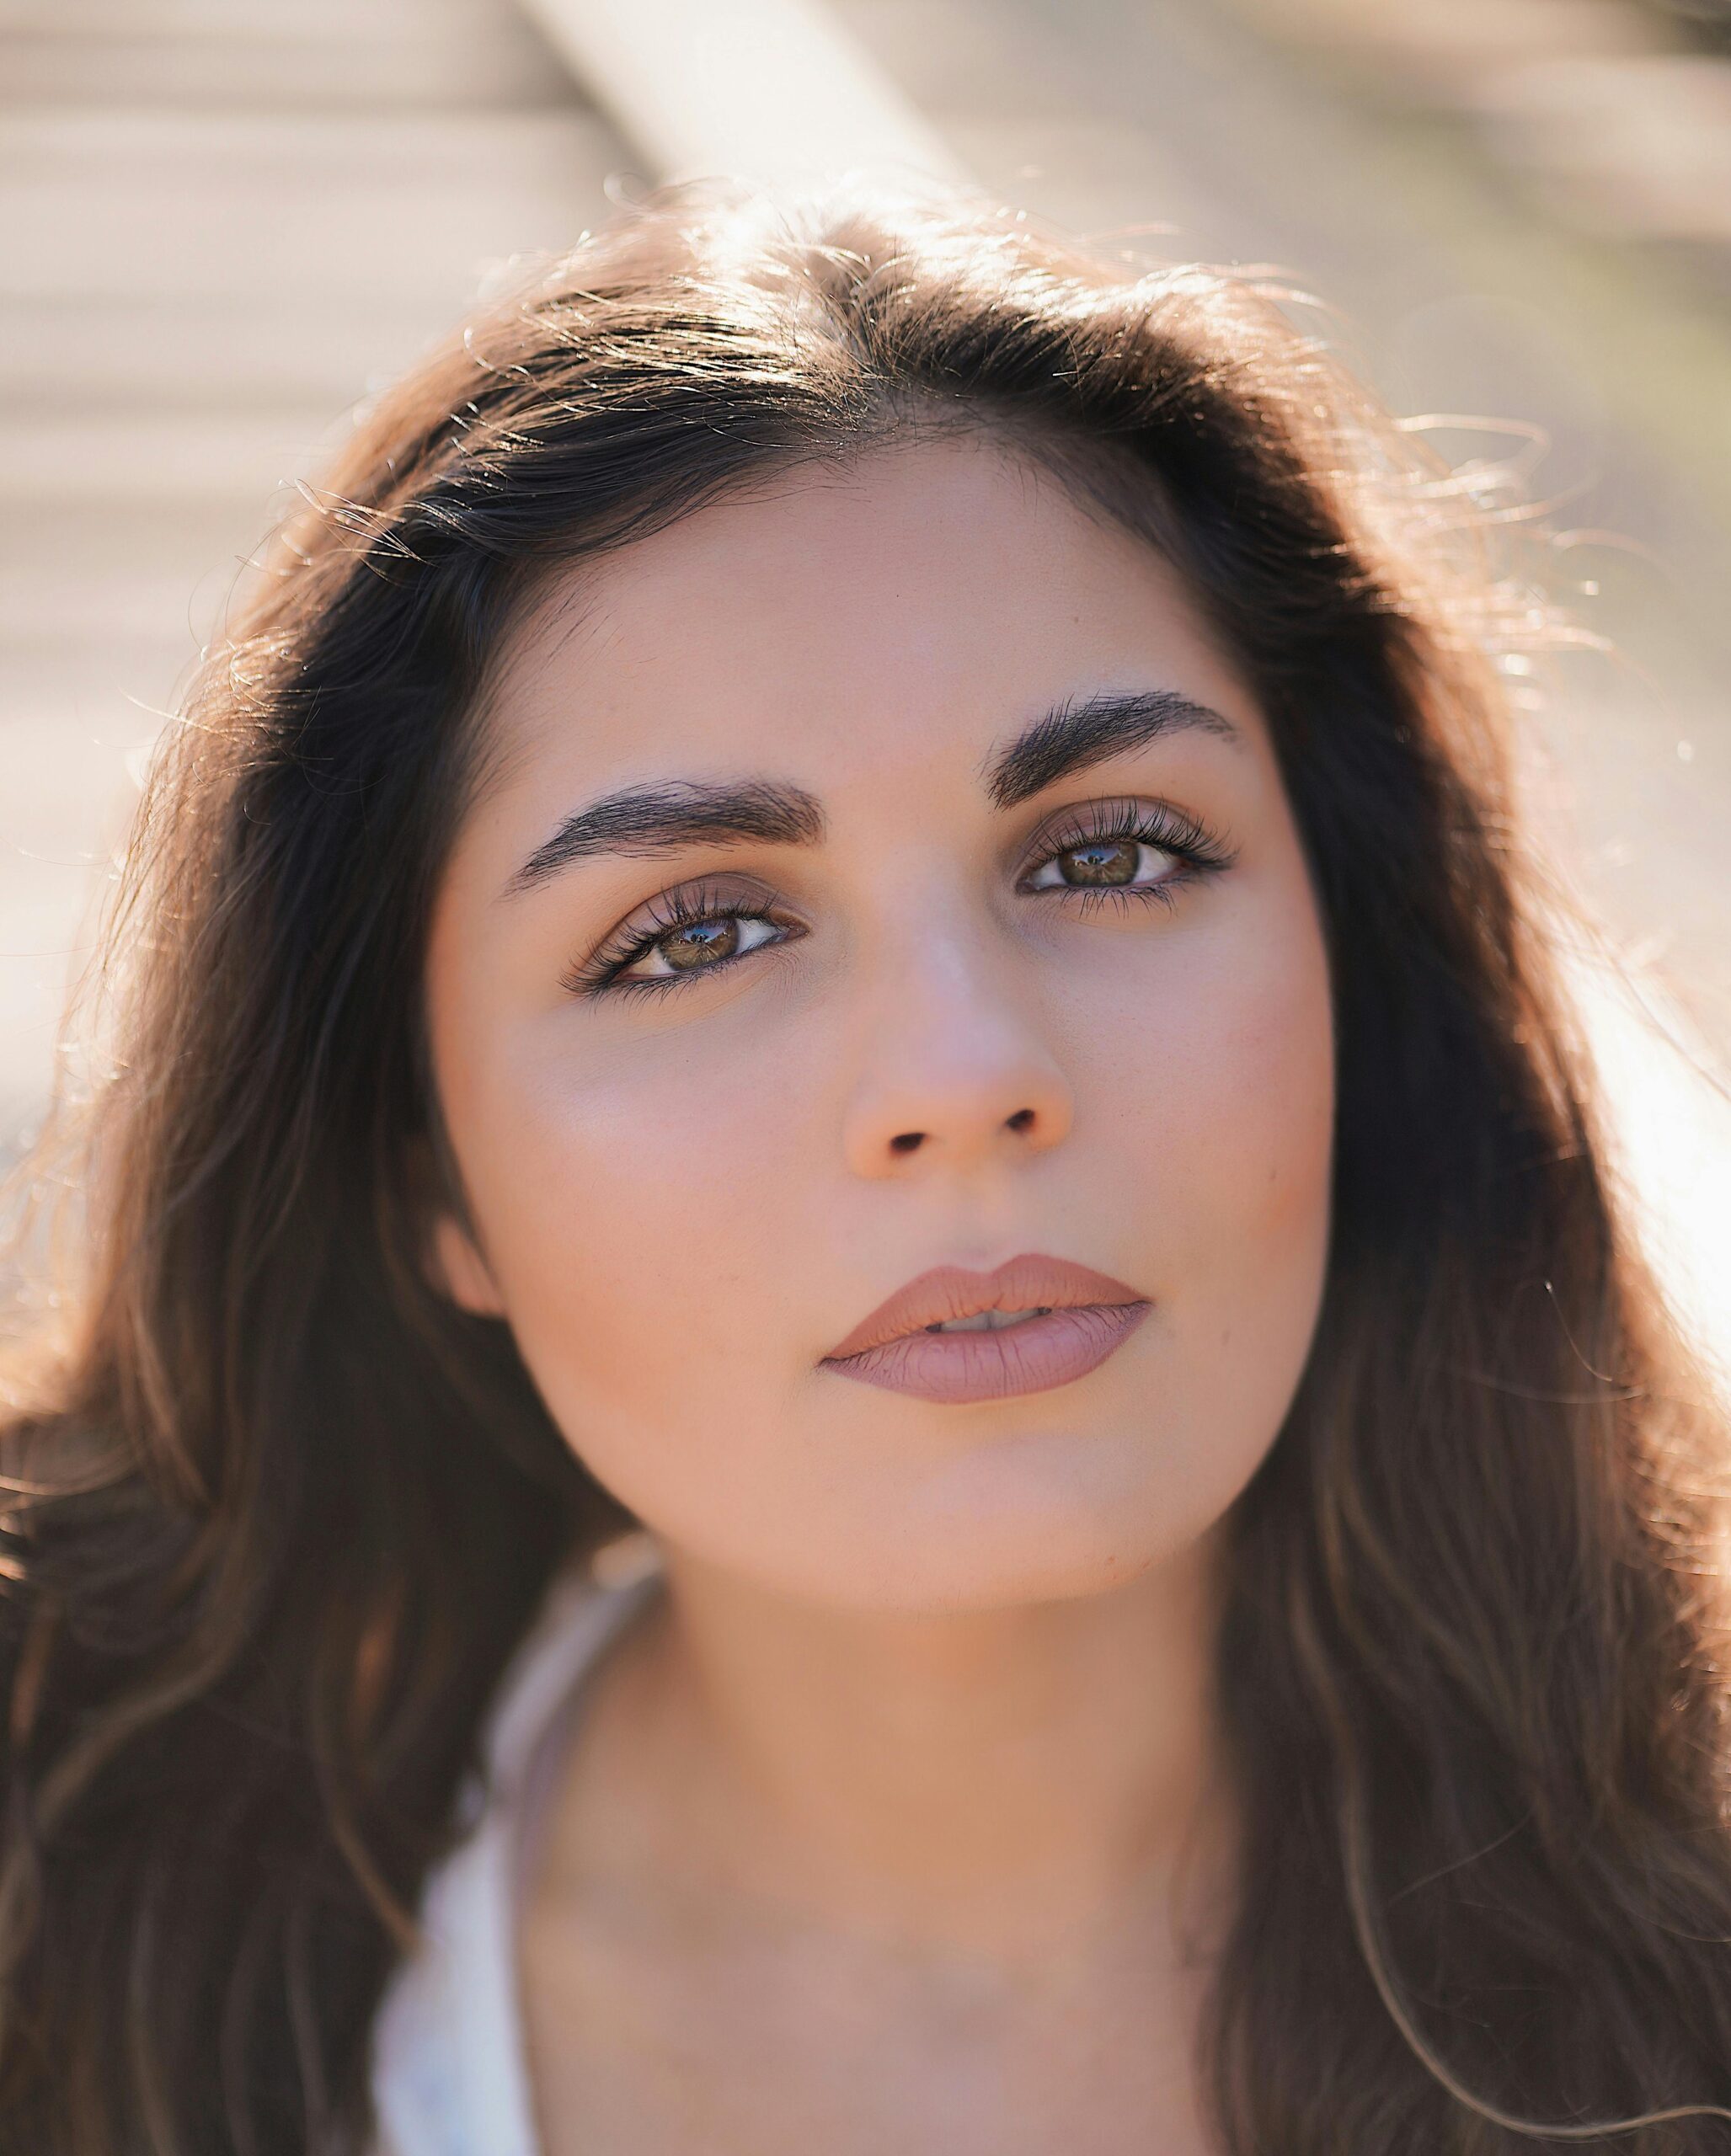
{"points": [[957, 1337]]}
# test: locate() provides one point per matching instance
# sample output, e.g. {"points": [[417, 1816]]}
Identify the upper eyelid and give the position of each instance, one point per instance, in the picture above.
{"points": [[1050, 833], [1047, 840], [1088, 821], [1044, 831]]}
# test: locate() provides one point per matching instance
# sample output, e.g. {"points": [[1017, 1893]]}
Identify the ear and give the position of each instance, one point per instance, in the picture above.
{"points": [[458, 1269]]}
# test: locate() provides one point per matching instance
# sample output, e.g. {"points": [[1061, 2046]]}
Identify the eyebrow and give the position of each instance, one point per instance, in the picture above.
{"points": [[651, 820]]}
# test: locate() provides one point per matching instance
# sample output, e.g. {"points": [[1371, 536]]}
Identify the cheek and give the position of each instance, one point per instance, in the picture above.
{"points": [[1251, 1114], [1237, 1149], [629, 1219]]}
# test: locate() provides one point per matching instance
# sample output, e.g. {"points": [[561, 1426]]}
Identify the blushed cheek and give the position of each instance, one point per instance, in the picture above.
{"points": [[1281, 1100], [626, 1243], [1248, 1128]]}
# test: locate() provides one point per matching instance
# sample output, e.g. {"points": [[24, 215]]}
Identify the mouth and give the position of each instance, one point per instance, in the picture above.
{"points": [[956, 1337]]}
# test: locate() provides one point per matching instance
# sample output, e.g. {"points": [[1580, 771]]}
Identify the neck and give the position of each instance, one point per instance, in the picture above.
{"points": [[1009, 1782]]}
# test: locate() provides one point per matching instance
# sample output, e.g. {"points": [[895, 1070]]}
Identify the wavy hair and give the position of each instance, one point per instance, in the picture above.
{"points": [[275, 1515]]}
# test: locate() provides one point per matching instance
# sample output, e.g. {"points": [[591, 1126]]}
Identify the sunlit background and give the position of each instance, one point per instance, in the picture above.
{"points": [[221, 222]]}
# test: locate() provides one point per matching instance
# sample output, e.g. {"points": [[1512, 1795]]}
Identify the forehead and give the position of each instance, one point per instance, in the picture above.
{"points": [[927, 598]]}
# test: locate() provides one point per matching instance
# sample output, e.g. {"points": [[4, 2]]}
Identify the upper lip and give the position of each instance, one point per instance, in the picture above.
{"points": [[1032, 1281]]}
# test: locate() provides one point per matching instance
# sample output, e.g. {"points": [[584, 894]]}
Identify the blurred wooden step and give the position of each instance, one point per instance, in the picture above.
{"points": [[327, 211], [1639, 148], [237, 460], [221, 224], [264, 59], [91, 352]]}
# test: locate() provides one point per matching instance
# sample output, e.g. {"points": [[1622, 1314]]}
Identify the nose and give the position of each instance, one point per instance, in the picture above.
{"points": [[955, 1071]]}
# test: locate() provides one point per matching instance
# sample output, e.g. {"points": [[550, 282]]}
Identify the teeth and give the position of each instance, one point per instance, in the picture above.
{"points": [[990, 1321]]}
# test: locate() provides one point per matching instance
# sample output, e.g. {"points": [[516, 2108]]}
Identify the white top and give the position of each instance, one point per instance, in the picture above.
{"points": [[450, 2074]]}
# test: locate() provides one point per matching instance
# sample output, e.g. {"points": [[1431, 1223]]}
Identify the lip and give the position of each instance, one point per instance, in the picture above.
{"points": [[1089, 1316]]}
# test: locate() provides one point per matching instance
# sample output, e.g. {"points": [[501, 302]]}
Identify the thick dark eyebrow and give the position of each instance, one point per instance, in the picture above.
{"points": [[1073, 736], [649, 820]]}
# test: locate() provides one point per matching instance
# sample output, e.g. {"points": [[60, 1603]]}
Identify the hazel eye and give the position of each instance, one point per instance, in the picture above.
{"points": [[703, 928], [700, 945], [1124, 848], [1105, 864]]}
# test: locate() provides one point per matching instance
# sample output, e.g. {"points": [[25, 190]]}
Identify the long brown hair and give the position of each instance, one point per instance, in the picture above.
{"points": [[275, 1515]]}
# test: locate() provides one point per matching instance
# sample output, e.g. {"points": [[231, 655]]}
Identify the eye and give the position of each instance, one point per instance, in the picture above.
{"points": [[1108, 851], [1130, 849], [678, 937]]}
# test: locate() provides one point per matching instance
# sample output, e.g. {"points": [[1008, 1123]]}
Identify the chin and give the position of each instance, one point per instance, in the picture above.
{"points": [[1035, 1519]]}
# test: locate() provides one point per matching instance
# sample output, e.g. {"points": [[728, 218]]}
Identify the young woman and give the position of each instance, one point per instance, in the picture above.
{"points": [[850, 908]]}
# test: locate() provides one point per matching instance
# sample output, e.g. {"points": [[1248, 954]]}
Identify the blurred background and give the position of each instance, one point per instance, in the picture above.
{"points": [[223, 221]]}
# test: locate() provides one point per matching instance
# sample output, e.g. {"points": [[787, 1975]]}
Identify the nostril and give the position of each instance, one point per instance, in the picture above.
{"points": [[1021, 1119], [904, 1141]]}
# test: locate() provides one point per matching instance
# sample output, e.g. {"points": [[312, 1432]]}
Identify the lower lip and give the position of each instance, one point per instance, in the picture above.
{"points": [[957, 1367]]}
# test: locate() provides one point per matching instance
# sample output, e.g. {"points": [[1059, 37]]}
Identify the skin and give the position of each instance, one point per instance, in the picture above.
{"points": [[897, 1823]]}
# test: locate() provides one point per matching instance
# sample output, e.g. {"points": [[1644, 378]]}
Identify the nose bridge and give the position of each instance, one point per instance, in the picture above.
{"points": [[952, 1059]]}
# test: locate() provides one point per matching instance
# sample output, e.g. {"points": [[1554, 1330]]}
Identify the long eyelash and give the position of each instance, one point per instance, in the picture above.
{"points": [[1119, 824], [1123, 821], [1102, 823], [673, 910]]}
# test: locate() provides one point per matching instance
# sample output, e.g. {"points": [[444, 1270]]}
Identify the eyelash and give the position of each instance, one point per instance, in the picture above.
{"points": [[1110, 822]]}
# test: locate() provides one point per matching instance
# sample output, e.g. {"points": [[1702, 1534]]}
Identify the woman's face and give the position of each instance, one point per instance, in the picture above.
{"points": [[884, 874]]}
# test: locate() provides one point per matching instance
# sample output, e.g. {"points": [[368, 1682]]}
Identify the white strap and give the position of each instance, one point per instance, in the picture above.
{"points": [[450, 2075]]}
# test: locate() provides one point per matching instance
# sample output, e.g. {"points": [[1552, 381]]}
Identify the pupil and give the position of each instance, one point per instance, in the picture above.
{"points": [[1112, 862]]}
